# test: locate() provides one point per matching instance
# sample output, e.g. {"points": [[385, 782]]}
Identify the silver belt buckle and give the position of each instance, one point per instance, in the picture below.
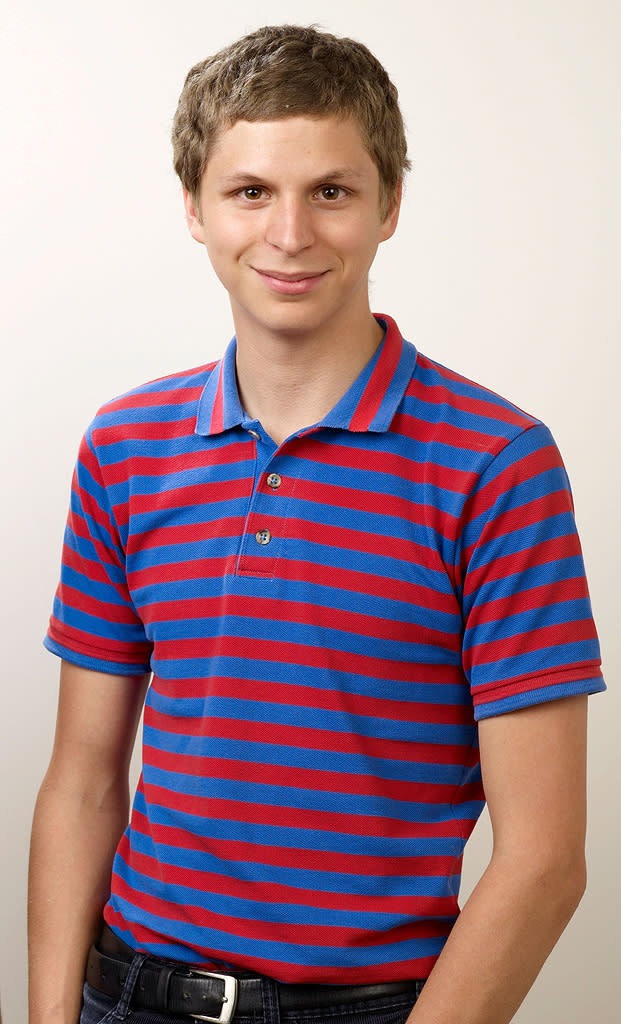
{"points": [[228, 1002]]}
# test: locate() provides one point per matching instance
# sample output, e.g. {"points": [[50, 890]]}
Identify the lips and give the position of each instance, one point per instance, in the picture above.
{"points": [[290, 284], [279, 276]]}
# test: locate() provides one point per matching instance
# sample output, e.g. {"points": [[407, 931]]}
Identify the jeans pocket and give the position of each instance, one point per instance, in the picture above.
{"points": [[95, 1006], [391, 1010]]}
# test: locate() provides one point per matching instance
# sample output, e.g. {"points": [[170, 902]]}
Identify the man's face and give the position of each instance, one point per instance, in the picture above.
{"points": [[290, 216]]}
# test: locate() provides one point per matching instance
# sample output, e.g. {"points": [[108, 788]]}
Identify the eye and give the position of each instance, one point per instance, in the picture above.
{"points": [[252, 192], [331, 192]]}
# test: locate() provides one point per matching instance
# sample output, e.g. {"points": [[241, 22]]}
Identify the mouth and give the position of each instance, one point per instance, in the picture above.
{"points": [[280, 276], [290, 284]]}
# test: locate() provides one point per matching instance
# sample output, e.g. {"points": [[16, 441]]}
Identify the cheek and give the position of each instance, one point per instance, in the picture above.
{"points": [[230, 241], [356, 237]]}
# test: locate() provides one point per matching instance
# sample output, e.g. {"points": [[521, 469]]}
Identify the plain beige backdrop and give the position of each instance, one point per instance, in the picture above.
{"points": [[505, 267]]}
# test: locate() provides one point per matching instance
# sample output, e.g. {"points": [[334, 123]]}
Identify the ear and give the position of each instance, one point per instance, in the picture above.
{"points": [[193, 217], [392, 217]]}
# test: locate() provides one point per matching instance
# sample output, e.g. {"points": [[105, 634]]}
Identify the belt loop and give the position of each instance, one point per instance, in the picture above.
{"points": [[271, 1004], [163, 984], [122, 1009]]}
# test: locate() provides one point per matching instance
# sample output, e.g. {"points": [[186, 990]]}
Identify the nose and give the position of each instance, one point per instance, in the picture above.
{"points": [[290, 226]]}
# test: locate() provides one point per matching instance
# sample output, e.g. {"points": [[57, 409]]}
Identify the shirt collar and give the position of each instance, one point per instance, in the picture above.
{"points": [[368, 405]]}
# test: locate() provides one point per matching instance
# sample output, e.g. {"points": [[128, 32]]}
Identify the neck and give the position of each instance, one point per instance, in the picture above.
{"points": [[290, 383]]}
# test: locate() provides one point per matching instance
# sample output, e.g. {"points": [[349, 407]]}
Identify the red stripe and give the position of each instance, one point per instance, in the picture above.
{"points": [[152, 430], [108, 650], [275, 892], [578, 672], [238, 811], [147, 399], [306, 778], [447, 434], [160, 467], [376, 502], [304, 737], [334, 577], [387, 463], [292, 695], [338, 537], [105, 611], [439, 394], [380, 379], [293, 973], [194, 494], [91, 569], [365, 542], [526, 516], [527, 643], [286, 653], [573, 589], [501, 568], [272, 931], [230, 850], [187, 533], [303, 613], [217, 415]]}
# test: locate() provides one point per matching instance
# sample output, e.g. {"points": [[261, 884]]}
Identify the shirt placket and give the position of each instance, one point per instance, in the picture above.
{"points": [[265, 527]]}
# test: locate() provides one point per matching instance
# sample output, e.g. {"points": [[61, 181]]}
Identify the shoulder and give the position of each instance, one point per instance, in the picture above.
{"points": [[174, 389], [451, 394], [461, 423], [144, 410]]}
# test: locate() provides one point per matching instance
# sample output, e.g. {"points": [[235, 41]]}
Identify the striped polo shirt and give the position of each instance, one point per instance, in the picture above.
{"points": [[325, 621]]}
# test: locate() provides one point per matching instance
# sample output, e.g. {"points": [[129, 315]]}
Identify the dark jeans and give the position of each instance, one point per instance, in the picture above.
{"points": [[99, 1008]]}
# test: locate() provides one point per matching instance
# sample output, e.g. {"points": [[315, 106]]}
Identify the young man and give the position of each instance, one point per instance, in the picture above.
{"points": [[356, 580]]}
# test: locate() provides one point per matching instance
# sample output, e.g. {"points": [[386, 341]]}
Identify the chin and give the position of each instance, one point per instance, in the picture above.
{"points": [[289, 319]]}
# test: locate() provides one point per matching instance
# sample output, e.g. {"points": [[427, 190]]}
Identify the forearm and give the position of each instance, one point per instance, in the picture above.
{"points": [[74, 837], [500, 941]]}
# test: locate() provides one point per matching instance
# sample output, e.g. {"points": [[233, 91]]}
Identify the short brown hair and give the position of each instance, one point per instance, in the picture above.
{"points": [[283, 71]]}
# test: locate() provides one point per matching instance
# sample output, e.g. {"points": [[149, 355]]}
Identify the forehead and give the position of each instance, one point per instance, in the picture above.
{"points": [[296, 143]]}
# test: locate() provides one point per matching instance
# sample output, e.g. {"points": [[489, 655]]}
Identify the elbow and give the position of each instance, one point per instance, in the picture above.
{"points": [[560, 884], [576, 884], [549, 881]]}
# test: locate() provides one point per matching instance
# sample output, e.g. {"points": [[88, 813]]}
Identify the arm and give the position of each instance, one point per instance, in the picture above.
{"points": [[533, 764], [81, 812]]}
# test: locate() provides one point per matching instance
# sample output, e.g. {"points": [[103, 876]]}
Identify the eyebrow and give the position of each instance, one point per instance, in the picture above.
{"points": [[336, 174]]}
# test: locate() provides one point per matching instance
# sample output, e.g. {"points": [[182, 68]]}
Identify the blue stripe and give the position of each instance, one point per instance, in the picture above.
{"points": [[459, 419], [321, 718], [283, 952], [375, 566], [537, 662], [523, 539], [296, 878], [432, 376], [285, 837], [356, 805], [305, 595], [309, 636], [97, 589], [129, 633], [529, 578], [274, 912], [98, 664], [255, 752], [167, 412], [555, 691], [415, 690], [320, 678], [145, 485], [524, 622]]}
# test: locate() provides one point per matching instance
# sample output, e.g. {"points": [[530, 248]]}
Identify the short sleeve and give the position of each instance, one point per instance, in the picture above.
{"points": [[529, 634], [94, 622]]}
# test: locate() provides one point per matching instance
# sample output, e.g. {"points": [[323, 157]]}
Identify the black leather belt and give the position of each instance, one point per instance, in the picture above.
{"points": [[171, 987]]}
